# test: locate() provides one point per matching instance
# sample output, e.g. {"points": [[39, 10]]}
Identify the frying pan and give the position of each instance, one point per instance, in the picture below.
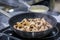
{"points": [[24, 34]]}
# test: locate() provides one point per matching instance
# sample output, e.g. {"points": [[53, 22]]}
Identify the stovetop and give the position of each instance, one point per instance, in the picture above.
{"points": [[9, 34]]}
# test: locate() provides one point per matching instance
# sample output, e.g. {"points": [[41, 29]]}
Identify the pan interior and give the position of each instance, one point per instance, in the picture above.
{"points": [[20, 17]]}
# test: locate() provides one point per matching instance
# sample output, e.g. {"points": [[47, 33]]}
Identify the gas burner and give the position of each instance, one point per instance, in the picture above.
{"points": [[53, 33], [8, 33]]}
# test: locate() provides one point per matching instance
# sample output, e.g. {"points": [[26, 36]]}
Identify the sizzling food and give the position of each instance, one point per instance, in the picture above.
{"points": [[33, 25]]}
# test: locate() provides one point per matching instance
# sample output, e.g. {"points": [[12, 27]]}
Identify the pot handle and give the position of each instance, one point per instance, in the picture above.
{"points": [[5, 13], [25, 3]]}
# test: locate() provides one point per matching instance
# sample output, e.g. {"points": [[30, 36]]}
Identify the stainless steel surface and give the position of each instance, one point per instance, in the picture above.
{"points": [[5, 13], [25, 3], [1, 34], [4, 19], [52, 4], [55, 15], [57, 6], [10, 2], [15, 3]]}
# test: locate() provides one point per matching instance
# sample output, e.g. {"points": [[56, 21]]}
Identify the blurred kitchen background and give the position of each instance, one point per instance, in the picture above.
{"points": [[14, 7]]}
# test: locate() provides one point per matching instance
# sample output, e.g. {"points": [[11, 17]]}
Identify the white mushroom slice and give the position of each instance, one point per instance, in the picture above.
{"points": [[49, 26], [42, 28], [43, 20], [34, 30], [15, 26], [32, 23], [27, 29], [19, 24], [22, 29], [46, 28]]}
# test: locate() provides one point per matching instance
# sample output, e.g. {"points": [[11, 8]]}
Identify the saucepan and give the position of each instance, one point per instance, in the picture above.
{"points": [[36, 8]]}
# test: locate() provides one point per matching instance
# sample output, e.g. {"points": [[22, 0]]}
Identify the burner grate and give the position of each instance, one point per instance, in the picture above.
{"points": [[12, 35]]}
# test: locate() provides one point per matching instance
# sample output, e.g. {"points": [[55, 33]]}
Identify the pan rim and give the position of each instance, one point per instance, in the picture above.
{"points": [[31, 13]]}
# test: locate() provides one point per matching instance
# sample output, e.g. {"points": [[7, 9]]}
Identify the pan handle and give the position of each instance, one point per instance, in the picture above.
{"points": [[25, 3], [5, 13]]}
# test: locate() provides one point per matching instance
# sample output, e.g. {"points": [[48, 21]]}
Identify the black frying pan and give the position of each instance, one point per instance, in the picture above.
{"points": [[20, 17]]}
